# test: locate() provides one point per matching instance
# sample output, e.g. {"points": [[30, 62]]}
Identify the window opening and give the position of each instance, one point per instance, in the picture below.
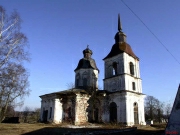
{"points": [[50, 112], [133, 86], [131, 66], [77, 82], [85, 82], [114, 68]]}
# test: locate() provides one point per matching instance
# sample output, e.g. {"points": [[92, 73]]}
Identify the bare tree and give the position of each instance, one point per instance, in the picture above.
{"points": [[12, 41], [10, 111], [70, 85], [153, 108], [14, 84], [26, 113], [160, 111], [167, 110], [37, 114], [13, 51]]}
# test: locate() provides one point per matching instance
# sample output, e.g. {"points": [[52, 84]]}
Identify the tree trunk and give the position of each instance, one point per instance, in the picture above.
{"points": [[3, 111]]}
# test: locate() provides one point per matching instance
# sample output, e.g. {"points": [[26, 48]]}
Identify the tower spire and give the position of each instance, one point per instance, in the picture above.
{"points": [[119, 23]]}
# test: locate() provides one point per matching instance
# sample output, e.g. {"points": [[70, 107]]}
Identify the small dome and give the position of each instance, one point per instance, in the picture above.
{"points": [[87, 50], [120, 37]]}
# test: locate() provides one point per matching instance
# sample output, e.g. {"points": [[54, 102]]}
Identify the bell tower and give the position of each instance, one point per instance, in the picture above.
{"points": [[122, 79], [121, 66], [86, 73]]}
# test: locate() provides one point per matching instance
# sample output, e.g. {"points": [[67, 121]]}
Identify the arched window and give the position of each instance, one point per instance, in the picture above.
{"points": [[133, 86], [136, 119], [85, 76], [131, 67], [114, 68], [85, 82]]}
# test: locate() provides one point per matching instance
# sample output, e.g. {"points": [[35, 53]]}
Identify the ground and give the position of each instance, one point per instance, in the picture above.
{"points": [[50, 129]]}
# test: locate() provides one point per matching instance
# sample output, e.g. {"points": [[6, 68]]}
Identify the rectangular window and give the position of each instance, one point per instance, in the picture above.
{"points": [[131, 68], [77, 82], [133, 86], [50, 112], [85, 82]]}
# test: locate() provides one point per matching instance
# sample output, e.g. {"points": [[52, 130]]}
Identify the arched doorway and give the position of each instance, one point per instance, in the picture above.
{"points": [[113, 112], [136, 119], [45, 115]]}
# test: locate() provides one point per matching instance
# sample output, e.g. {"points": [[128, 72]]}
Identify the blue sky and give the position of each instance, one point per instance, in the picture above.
{"points": [[59, 30]]}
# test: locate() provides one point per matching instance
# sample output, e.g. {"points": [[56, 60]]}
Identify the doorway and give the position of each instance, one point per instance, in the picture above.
{"points": [[113, 112], [136, 119], [96, 115], [45, 115]]}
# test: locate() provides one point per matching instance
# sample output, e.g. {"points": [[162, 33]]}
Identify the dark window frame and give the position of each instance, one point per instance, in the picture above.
{"points": [[131, 68], [133, 86], [50, 112], [85, 82]]}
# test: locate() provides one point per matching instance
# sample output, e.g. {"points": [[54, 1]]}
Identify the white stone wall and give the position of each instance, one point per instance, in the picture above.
{"points": [[45, 105], [115, 84], [123, 80], [127, 60], [132, 98], [128, 83], [125, 108], [90, 74], [57, 111], [119, 99]]}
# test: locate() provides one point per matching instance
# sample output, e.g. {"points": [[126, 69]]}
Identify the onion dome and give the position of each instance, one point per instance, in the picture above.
{"points": [[87, 50]]}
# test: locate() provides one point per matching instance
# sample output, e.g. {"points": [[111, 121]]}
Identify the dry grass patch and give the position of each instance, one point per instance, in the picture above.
{"points": [[53, 129]]}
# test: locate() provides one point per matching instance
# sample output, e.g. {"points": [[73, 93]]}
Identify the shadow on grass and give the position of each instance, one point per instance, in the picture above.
{"points": [[81, 131], [149, 132]]}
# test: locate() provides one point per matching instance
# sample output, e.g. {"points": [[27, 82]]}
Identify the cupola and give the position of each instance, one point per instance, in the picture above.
{"points": [[87, 53]]}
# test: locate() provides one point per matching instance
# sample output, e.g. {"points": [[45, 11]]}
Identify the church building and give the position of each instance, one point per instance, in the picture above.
{"points": [[120, 101]]}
